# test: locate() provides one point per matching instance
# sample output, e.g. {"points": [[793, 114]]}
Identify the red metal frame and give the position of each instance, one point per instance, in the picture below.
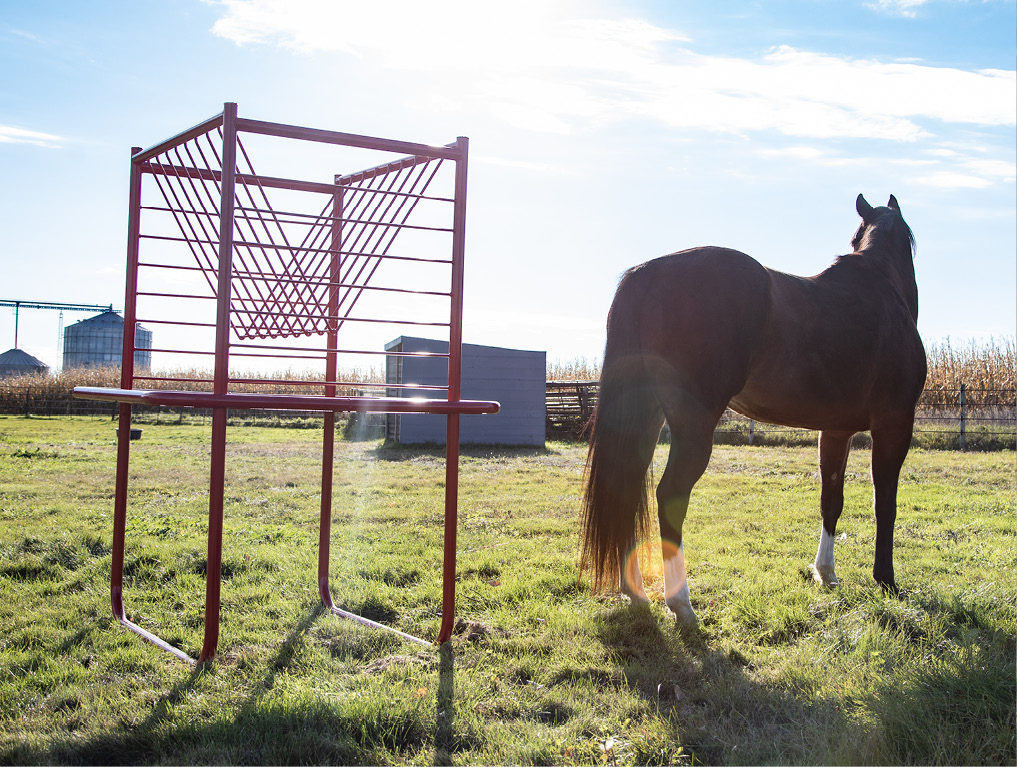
{"points": [[276, 276]]}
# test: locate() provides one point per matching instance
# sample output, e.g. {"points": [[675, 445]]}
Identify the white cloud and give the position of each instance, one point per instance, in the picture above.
{"points": [[812, 155], [997, 170], [954, 180], [905, 8], [974, 174], [12, 135], [957, 168], [523, 165], [545, 67]]}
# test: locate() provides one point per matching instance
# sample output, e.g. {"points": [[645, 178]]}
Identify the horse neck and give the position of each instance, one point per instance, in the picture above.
{"points": [[899, 269]]}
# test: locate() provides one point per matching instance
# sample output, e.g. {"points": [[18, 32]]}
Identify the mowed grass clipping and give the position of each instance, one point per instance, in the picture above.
{"points": [[540, 671]]}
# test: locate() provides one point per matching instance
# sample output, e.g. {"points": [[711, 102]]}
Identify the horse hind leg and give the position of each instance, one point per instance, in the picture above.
{"points": [[833, 454], [691, 446], [630, 578]]}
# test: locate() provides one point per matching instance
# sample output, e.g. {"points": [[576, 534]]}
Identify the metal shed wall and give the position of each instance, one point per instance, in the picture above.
{"points": [[513, 377]]}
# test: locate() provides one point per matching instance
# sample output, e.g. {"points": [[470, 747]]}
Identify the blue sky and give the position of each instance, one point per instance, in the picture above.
{"points": [[602, 134]]}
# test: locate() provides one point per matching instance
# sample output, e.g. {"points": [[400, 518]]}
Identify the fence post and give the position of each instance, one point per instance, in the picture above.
{"points": [[963, 416], [752, 430]]}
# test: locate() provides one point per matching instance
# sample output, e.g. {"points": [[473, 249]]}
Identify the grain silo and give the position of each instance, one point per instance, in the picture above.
{"points": [[15, 362], [98, 342]]}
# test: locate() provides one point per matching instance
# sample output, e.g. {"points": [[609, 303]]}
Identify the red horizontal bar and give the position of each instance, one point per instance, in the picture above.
{"points": [[347, 384], [279, 356], [306, 382], [374, 352], [172, 295], [154, 265], [292, 248], [381, 170], [181, 138], [344, 139], [363, 254], [173, 351], [367, 222], [235, 310], [252, 401], [247, 179], [167, 378], [322, 283], [341, 384], [144, 320]]}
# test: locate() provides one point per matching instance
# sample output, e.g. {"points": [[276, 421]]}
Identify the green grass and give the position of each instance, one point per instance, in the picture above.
{"points": [[540, 671]]}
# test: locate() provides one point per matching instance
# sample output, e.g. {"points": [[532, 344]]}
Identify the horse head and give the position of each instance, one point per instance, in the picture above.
{"points": [[880, 225]]}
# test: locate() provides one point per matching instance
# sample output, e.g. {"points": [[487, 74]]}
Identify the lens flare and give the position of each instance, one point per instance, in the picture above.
{"points": [[646, 558]]}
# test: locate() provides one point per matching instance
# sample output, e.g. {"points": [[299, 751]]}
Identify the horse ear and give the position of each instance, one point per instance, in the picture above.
{"points": [[863, 208], [892, 205]]}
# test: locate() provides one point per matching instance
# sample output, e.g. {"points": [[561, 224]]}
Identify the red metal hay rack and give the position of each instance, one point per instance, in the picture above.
{"points": [[230, 265]]}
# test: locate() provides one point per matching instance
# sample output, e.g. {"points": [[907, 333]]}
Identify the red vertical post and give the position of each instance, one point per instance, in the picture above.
{"points": [[331, 371], [455, 370], [220, 384], [126, 382]]}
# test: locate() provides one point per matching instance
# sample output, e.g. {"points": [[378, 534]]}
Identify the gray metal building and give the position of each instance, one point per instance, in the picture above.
{"points": [[513, 377], [98, 342]]}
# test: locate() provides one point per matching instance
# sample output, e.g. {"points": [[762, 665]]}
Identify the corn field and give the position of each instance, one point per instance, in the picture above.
{"points": [[970, 395]]}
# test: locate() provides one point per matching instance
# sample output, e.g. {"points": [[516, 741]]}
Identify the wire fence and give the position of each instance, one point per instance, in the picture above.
{"points": [[960, 418]]}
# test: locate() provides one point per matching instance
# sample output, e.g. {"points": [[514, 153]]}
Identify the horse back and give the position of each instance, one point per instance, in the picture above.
{"points": [[695, 319], [840, 350]]}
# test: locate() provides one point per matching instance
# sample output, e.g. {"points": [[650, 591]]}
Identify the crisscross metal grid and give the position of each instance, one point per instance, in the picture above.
{"points": [[230, 264], [361, 259]]}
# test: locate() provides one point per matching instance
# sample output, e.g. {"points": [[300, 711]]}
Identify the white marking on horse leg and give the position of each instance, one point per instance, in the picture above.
{"points": [[822, 568], [676, 586], [631, 580]]}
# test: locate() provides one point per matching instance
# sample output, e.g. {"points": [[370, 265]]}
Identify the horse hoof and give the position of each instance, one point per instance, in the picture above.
{"points": [[890, 588], [684, 615], [824, 577]]}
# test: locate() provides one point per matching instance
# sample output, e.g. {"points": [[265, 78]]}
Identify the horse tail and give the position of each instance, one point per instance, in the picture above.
{"points": [[623, 434]]}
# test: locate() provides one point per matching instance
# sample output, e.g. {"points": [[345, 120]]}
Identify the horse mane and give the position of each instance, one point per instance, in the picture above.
{"points": [[895, 236]]}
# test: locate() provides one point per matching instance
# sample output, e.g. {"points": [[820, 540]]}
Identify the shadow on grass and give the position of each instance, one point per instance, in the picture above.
{"points": [[954, 709], [158, 737], [272, 725], [718, 712], [444, 738]]}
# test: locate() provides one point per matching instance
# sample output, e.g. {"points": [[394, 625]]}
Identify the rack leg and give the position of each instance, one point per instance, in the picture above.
{"points": [[448, 599], [119, 536], [325, 524], [213, 569], [120, 512]]}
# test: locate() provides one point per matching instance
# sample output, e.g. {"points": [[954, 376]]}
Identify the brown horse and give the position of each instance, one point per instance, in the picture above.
{"points": [[695, 332]]}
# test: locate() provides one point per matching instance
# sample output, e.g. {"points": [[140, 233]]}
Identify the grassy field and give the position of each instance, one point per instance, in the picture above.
{"points": [[540, 671]]}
